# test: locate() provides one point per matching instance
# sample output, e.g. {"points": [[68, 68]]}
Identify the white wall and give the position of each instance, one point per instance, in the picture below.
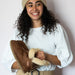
{"points": [[64, 11], [9, 11]]}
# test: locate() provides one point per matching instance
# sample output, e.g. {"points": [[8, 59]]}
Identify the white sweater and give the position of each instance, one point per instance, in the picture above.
{"points": [[55, 43]]}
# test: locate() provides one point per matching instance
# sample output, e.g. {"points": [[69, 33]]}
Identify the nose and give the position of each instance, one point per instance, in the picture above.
{"points": [[34, 8]]}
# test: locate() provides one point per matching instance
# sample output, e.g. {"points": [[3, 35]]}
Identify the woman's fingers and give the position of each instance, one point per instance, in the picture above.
{"points": [[41, 55]]}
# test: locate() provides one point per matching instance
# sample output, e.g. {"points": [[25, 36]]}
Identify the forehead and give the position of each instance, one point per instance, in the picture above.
{"points": [[33, 1]]}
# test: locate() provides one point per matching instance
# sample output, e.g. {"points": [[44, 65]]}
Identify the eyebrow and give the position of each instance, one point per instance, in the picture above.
{"points": [[32, 3], [37, 1]]}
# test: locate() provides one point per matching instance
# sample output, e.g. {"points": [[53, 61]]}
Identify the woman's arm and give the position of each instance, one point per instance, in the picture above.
{"points": [[51, 58]]}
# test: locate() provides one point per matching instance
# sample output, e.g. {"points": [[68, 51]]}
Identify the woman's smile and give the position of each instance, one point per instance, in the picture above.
{"points": [[34, 9], [35, 14]]}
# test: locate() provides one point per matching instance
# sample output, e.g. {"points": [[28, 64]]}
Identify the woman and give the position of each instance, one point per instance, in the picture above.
{"points": [[38, 28]]}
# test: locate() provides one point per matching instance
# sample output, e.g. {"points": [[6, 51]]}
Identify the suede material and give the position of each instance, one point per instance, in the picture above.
{"points": [[20, 52]]}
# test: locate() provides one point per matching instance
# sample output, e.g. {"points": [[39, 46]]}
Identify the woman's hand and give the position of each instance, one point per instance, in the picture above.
{"points": [[15, 65], [51, 58], [40, 55]]}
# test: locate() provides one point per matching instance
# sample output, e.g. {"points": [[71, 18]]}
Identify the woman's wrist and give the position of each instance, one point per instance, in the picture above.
{"points": [[45, 56], [53, 59]]}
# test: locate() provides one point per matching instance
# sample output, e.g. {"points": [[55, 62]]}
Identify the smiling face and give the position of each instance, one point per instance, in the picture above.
{"points": [[34, 9]]}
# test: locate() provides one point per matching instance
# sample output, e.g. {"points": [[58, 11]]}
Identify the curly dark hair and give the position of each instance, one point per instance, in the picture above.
{"points": [[24, 22]]}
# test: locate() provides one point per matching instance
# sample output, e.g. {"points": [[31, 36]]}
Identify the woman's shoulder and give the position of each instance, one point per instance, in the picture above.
{"points": [[59, 27]]}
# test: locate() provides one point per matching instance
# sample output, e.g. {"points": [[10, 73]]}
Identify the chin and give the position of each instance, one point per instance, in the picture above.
{"points": [[38, 18]]}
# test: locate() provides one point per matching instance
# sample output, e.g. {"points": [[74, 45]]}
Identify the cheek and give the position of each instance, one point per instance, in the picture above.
{"points": [[41, 9], [28, 11]]}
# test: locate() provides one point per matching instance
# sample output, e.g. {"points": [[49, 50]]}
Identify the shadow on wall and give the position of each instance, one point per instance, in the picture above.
{"points": [[58, 71], [50, 5], [70, 36]]}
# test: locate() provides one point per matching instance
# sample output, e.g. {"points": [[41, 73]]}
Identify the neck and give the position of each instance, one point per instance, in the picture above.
{"points": [[37, 23]]}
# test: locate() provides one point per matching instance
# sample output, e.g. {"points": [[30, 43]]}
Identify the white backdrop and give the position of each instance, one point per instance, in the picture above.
{"points": [[64, 10]]}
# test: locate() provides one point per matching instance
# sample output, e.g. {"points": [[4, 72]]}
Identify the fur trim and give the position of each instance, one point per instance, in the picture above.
{"points": [[35, 60]]}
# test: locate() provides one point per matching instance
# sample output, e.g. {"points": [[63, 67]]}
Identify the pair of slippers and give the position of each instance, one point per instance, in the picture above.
{"points": [[25, 57]]}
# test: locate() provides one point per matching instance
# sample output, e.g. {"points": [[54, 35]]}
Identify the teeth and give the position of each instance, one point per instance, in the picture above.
{"points": [[35, 13]]}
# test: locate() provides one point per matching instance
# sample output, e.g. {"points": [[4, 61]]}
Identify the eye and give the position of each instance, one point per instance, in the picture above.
{"points": [[38, 4], [30, 5]]}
